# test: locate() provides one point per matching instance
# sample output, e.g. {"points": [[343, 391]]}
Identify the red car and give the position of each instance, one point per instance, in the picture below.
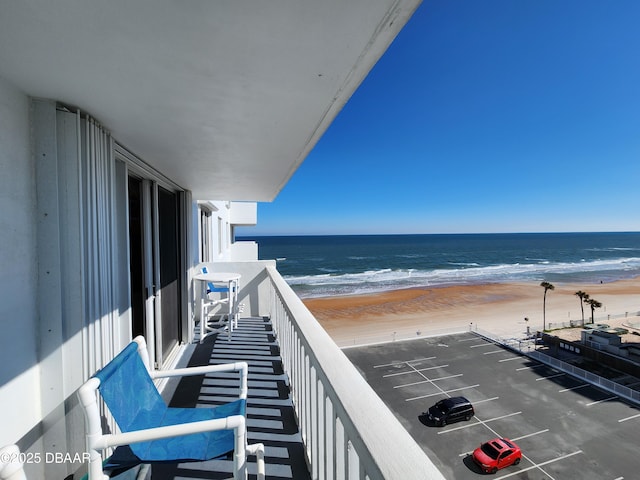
{"points": [[496, 454]]}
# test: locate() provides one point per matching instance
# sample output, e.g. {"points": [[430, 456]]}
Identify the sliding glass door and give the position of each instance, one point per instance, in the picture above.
{"points": [[155, 265], [169, 254]]}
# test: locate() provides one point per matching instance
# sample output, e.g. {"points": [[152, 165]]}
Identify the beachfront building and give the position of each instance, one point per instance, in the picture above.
{"points": [[134, 138]]}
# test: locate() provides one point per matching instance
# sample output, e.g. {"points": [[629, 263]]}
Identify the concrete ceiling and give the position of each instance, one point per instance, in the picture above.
{"points": [[226, 98]]}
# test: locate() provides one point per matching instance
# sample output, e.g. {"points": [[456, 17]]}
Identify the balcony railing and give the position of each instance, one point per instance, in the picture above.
{"points": [[347, 430]]}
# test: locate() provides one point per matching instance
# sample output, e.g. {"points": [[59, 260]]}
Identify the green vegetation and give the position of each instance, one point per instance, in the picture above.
{"points": [[547, 286]]}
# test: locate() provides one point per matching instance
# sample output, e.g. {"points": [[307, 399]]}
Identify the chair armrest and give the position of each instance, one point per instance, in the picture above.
{"points": [[242, 367], [157, 433]]}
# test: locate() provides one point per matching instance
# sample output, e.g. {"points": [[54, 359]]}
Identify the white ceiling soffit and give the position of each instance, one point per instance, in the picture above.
{"points": [[226, 98]]}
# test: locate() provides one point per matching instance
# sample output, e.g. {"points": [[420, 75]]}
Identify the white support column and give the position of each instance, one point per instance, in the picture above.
{"points": [[49, 291]]}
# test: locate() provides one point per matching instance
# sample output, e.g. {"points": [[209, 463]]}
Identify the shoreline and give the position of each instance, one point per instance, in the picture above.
{"points": [[500, 308]]}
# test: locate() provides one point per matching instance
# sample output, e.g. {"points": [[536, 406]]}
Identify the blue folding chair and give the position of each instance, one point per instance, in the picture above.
{"points": [[151, 431]]}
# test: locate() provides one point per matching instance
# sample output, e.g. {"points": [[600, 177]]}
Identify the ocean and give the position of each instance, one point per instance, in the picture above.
{"points": [[319, 266]]}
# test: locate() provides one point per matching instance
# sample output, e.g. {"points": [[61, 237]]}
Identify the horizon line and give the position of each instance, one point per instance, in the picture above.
{"points": [[441, 233]]}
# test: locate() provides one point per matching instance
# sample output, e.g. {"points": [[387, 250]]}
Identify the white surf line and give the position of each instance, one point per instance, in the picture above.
{"points": [[574, 388], [446, 392], [550, 376], [530, 368], [414, 370], [405, 362], [629, 418], [493, 351], [509, 359], [428, 381], [601, 401], [539, 465]]}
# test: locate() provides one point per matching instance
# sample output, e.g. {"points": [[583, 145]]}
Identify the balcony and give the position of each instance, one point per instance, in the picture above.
{"points": [[316, 415]]}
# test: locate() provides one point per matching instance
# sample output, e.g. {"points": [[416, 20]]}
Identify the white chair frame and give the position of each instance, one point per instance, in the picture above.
{"points": [[11, 463], [98, 441]]}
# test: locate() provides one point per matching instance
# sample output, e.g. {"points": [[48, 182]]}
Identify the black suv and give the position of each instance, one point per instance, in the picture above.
{"points": [[450, 410]]}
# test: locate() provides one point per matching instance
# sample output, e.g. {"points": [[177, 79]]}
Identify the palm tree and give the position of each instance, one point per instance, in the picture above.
{"points": [[593, 304], [547, 286], [583, 299]]}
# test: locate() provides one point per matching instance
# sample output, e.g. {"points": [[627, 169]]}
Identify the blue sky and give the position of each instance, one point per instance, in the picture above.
{"points": [[483, 116]]}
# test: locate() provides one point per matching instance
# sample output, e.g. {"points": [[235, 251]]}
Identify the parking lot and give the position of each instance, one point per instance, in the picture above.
{"points": [[566, 428]]}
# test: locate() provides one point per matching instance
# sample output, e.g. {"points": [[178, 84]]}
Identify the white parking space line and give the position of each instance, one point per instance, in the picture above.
{"points": [[413, 370], [509, 359], [501, 417], [529, 368], [394, 364], [469, 339], [418, 370], [530, 435], [493, 351], [411, 362], [628, 418], [429, 380], [550, 376], [574, 388], [483, 345], [441, 392], [514, 439], [601, 401], [485, 400], [538, 465], [481, 422], [461, 427]]}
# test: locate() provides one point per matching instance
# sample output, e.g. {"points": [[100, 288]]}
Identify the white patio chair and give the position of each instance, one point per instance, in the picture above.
{"points": [[153, 432]]}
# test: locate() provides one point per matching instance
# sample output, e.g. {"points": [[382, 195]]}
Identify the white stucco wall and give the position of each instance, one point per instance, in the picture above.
{"points": [[19, 374]]}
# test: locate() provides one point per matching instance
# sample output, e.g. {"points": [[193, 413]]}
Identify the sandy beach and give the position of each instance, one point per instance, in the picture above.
{"points": [[498, 308]]}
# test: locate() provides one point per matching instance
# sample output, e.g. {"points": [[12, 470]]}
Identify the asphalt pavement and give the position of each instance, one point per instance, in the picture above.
{"points": [[566, 428]]}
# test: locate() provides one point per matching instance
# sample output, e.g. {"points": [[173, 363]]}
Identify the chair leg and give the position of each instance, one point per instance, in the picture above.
{"points": [[95, 466], [257, 449], [239, 452]]}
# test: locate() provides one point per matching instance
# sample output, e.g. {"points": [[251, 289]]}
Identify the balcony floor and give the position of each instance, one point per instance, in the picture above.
{"points": [[270, 415]]}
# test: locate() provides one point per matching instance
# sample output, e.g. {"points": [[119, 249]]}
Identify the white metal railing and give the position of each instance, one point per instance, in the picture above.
{"points": [[598, 319], [605, 384], [348, 432], [527, 347]]}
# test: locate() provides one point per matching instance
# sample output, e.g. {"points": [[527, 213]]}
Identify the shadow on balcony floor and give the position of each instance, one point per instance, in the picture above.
{"points": [[270, 416]]}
